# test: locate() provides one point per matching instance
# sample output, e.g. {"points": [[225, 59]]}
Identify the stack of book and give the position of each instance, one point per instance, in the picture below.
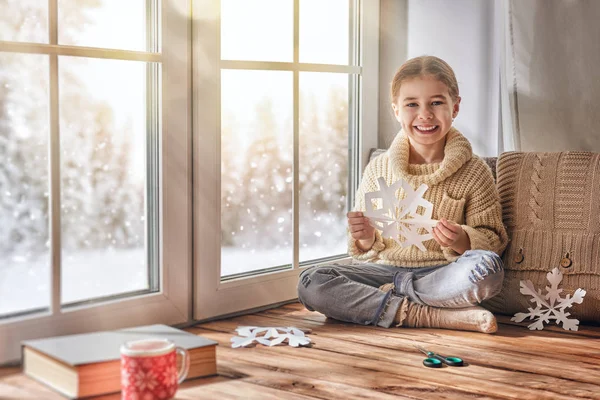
{"points": [[90, 364]]}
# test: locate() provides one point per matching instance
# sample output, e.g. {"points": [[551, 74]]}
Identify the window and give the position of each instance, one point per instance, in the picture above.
{"points": [[94, 189], [280, 93], [97, 103]]}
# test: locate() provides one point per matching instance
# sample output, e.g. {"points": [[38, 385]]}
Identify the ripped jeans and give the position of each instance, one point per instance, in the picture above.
{"points": [[351, 293]]}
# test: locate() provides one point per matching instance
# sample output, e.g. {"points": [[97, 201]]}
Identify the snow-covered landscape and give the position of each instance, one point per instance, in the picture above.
{"points": [[25, 284]]}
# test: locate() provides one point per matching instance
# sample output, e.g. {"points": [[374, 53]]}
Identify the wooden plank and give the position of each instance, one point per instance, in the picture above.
{"points": [[591, 330], [353, 361], [512, 354], [20, 387], [577, 344], [287, 380], [236, 390], [559, 348], [9, 371], [564, 349], [510, 375], [475, 379], [402, 367], [197, 385], [14, 385], [584, 329], [335, 371]]}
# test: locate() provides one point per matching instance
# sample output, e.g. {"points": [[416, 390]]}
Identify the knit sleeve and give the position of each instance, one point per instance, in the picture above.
{"points": [[483, 215], [367, 184]]}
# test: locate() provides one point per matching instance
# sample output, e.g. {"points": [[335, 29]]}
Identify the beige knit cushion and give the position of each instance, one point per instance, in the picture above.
{"points": [[551, 207]]}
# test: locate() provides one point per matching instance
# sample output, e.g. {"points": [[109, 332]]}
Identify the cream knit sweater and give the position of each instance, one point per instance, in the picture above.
{"points": [[461, 189]]}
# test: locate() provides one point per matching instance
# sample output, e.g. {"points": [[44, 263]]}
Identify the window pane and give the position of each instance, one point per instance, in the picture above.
{"points": [[113, 24], [258, 30], [24, 21], [24, 183], [324, 31], [323, 171], [256, 170], [103, 174]]}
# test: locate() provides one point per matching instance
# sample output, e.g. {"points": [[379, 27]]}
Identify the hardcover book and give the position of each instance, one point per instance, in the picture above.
{"points": [[89, 364]]}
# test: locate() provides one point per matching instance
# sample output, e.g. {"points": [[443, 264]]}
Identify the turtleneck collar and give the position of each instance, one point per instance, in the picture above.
{"points": [[456, 153]]}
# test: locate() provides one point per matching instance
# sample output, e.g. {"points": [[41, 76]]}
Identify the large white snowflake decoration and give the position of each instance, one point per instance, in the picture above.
{"points": [[399, 218], [269, 336], [550, 306]]}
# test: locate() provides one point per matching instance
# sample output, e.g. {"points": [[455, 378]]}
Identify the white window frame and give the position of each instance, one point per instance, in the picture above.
{"points": [[172, 303], [212, 296]]}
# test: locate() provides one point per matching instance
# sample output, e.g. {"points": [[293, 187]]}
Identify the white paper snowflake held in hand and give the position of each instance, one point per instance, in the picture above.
{"points": [[271, 336], [399, 217], [550, 306]]}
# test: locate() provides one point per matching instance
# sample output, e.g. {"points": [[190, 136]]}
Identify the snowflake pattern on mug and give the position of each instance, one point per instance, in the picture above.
{"points": [[170, 375], [149, 378]]}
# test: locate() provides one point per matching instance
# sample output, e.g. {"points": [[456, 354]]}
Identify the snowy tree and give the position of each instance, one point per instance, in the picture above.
{"points": [[311, 149], [23, 150], [336, 154], [100, 199], [256, 195], [101, 205], [232, 186], [267, 198], [23, 132], [323, 169]]}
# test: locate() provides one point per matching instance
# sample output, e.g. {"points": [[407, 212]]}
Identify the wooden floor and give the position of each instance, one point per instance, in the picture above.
{"points": [[349, 361]]}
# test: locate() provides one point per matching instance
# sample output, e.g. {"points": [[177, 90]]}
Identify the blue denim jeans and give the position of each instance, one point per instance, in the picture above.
{"points": [[351, 293]]}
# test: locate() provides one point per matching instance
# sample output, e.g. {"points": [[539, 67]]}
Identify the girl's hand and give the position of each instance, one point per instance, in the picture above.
{"points": [[361, 230], [451, 234]]}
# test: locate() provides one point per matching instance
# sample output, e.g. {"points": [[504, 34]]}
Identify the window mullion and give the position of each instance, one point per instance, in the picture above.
{"points": [[53, 22], [351, 32], [54, 165], [296, 141], [289, 66], [296, 31], [153, 224], [78, 51], [354, 114]]}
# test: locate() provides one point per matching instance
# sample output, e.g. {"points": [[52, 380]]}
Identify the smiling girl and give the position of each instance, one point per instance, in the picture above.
{"points": [[404, 286]]}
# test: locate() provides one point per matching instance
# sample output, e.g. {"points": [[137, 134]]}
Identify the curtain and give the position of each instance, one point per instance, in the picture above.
{"points": [[550, 75]]}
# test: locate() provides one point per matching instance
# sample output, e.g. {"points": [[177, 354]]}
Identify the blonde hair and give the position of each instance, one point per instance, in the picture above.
{"points": [[425, 65]]}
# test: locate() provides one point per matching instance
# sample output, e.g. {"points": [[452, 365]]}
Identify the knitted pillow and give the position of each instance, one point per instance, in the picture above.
{"points": [[551, 210]]}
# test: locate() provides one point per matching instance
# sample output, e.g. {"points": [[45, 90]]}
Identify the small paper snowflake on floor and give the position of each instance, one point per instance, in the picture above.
{"points": [[551, 306], [399, 218], [269, 336]]}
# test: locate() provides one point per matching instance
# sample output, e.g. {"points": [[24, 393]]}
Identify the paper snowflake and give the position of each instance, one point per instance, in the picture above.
{"points": [[398, 219], [551, 306], [270, 336]]}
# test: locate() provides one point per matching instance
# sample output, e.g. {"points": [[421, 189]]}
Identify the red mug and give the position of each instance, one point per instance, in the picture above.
{"points": [[149, 369]]}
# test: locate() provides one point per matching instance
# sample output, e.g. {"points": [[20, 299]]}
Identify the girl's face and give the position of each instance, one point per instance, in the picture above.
{"points": [[425, 109]]}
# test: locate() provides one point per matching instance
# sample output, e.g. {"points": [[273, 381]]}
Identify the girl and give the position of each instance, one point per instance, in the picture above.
{"points": [[438, 288]]}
